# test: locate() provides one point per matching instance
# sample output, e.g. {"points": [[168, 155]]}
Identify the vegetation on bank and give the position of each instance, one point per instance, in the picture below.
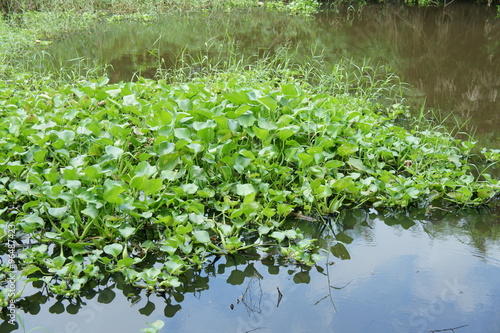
{"points": [[97, 178]]}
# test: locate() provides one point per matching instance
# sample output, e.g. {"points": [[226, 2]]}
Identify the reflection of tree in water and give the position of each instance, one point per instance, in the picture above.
{"points": [[252, 298]]}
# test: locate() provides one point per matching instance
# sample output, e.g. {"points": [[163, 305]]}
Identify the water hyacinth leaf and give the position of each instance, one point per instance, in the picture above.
{"points": [[125, 262], [343, 183], [241, 110], [186, 105], [130, 100], [356, 163], [144, 169], [269, 102], [189, 188], [237, 97], [182, 133], [262, 134], [290, 90], [285, 133], [20, 186], [168, 162], [267, 124], [114, 152], [91, 211], [333, 164], [34, 219], [126, 231], [305, 159], [67, 136], [278, 235], [244, 189], [347, 149], [93, 172], [206, 134], [164, 148], [113, 249], [202, 236], [173, 267], [57, 212], [160, 118], [246, 120], [264, 230], [112, 190]]}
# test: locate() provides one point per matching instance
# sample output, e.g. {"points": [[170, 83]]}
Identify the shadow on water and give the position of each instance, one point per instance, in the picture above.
{"points": [[387, 272]]}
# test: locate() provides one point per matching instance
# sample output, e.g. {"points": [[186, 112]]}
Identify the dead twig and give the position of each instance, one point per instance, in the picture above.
{"points": [[448, 329]]}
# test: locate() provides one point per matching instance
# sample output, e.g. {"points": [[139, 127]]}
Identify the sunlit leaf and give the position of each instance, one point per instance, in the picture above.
{"points": [[113, 249]]}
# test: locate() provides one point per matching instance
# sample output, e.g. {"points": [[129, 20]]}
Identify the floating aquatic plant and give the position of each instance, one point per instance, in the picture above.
{"points": [[96, 177]]}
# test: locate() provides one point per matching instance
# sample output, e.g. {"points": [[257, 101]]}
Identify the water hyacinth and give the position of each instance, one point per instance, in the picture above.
{"points": [[100, 175]]}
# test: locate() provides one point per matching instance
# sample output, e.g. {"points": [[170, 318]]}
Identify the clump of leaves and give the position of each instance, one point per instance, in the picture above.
{"points": [[102, 175]]}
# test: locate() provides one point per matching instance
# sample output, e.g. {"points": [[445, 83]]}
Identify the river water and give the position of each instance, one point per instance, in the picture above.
{"points": [[394, 271]]}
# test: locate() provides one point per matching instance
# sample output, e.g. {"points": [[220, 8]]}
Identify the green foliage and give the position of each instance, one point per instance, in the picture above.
{"points": [[102, 175], [295, 7]]}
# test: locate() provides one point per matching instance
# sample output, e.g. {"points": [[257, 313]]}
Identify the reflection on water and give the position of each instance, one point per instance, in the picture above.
{"points": [[451, 55], [405, 273]]}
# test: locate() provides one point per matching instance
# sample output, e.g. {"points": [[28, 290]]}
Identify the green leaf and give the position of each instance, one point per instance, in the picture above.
{"points": [[173, 267], [237, 97], [113, 249], [112, 190], [241, 110], [20, 186], [290, 90], [189, 188], [201, 236], [278, 235], [91, 211], [113, 151], [269, 102], [57, 212], [206, 134], [264, 230], [246, 120], [126, 231], [154, 327], [262, 134], [186, 105], [347, 149], [144, 169], [305, 159], [244, 189], [182, 133], [356, 163], [285, 133], [130, 100]]}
